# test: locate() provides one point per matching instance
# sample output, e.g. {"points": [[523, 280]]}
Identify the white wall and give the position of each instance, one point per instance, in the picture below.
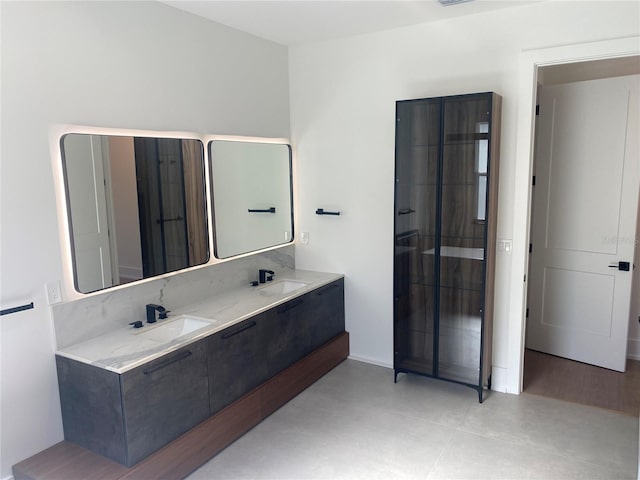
{"points": [[343, 97], [137, 65], [634, 314]]}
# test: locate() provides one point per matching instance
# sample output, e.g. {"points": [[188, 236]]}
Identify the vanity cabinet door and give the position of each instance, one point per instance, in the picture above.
{"points": [[237, 361], [163, 399], [326, 312], [288, 333]]}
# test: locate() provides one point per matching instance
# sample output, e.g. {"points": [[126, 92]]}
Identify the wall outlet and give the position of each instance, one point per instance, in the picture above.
{"points": [[304, 238], [54, 294]]}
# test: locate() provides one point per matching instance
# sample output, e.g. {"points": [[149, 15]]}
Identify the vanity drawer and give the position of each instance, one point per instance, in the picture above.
{"points": [[288, 336], [128, 416], [163, 399], [237, 361]]}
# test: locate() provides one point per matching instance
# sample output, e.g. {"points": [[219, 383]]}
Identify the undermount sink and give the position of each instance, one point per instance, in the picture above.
{"points": [[282, 287], [168, 330]]}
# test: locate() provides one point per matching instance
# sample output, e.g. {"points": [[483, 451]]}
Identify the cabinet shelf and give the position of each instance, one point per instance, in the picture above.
{"points": [[458, 252], [424, 282]]}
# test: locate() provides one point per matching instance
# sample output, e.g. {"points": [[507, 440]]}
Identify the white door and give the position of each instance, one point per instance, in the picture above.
{"points": [[584, 223], [88, 207]]}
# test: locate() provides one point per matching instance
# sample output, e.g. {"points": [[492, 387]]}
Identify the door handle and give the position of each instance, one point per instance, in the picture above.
{"points": [[623, 266]]}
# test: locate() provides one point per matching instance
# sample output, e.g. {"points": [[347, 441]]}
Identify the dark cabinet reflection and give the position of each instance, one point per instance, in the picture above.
{"points": [[136, 207]]}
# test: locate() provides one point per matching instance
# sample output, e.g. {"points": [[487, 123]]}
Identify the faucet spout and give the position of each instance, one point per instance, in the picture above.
{"points": [[262, 275], [152, 308]]}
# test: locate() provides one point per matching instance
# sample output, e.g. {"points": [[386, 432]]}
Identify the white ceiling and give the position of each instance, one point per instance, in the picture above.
{"points": [[295, 22]]}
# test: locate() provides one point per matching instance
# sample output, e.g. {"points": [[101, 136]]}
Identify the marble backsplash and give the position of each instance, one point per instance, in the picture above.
{"points": [[96, 315]]}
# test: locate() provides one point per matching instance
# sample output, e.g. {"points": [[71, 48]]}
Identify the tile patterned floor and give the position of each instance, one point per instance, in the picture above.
{"points": [[355, 423]]}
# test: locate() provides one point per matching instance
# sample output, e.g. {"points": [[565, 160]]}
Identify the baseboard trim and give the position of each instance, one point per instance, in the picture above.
{"points": [[499, 379], [633, 348], [370, 361]]}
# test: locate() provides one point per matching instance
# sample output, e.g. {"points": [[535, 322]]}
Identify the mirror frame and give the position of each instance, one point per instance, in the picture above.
{"points": [[203, 214], [212, 205]]}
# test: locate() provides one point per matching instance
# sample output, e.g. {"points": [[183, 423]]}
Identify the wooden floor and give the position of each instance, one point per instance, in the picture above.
{"points": [[563, 379]]}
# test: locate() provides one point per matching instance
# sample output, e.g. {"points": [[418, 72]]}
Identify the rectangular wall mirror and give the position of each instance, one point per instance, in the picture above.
{"points": [[252, 196], [136, 207]]}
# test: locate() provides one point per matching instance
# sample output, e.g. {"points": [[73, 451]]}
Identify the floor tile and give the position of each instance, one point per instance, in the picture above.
{"points": [[355, 423], [586, 433], [473, 456]]}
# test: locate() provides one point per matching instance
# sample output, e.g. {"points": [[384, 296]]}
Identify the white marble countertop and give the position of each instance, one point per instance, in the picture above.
{"points": [[125, 348]]}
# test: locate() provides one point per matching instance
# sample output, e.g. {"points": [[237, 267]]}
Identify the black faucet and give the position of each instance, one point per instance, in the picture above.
{"points": [[262, 275], [152, 308]]}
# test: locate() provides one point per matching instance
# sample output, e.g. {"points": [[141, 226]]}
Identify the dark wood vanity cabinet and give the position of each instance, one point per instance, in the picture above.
{"points": [[303, 324], [243, 356], [128, 416]]}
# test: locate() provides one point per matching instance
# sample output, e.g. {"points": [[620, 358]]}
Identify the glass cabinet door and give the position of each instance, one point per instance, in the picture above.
{"points": [[462, 236], [417, 156]]}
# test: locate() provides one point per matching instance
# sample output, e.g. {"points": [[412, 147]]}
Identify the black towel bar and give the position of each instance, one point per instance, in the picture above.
{"points": [[269, 210], [321, 211], [8, 311]]}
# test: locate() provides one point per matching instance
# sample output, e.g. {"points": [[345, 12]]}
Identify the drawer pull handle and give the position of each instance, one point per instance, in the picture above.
{"points": [[289, 306], [168, 362], [240, 330], [326, 290]]}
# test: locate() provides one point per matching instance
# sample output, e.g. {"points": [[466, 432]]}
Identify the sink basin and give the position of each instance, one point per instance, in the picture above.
{"points": [[168, 330], [282, 287]]}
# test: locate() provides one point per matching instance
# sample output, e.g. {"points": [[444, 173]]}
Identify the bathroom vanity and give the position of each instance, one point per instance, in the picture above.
{"points": [[127, 394]]}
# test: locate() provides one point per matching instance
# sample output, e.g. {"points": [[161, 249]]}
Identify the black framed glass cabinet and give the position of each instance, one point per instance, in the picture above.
{"points": [[446, 171]]}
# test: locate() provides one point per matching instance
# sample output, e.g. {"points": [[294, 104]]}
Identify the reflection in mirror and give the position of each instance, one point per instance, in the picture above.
{"points": [[252, 196], [136, 207]]}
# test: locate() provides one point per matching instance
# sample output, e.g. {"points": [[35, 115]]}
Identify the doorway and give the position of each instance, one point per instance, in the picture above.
{"points": [[578, 308]]}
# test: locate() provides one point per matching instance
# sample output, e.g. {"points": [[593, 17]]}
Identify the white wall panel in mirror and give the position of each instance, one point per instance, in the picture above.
{"points": [[252, 195], [136, 207]]}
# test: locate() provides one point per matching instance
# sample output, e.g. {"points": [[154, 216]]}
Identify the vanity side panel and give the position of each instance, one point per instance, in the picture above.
{"points": [[91, 408], [163, 399]]}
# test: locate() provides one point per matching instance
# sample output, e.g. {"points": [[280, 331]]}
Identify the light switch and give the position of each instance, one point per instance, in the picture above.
{"points": [[54, 295], [504, 246], [304, 238]]}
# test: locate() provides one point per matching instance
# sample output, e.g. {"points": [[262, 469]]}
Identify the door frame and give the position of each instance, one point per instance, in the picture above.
{"points": [[530, 61]]}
